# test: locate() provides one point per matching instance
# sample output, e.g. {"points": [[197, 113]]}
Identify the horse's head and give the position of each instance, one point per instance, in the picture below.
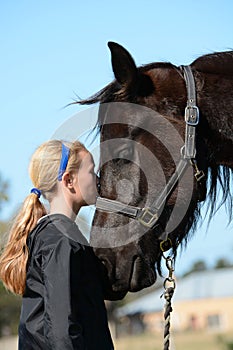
{"points": [[141, 121]]}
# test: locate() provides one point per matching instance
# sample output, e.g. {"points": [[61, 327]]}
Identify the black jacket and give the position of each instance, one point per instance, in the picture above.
{"points": [[63, 304]]}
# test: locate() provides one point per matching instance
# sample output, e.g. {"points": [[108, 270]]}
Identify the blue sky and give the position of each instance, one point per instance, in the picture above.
{"points": [[52, 50]]}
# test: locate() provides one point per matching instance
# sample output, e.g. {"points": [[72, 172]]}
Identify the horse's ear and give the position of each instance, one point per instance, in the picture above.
{"points": [[126, 72], [123, 65]]}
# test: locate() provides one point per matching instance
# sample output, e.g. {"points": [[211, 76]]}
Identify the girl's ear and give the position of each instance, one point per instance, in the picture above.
{"points": [[67, 180]]}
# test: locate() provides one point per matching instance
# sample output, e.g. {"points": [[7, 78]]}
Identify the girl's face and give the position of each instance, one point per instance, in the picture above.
{"points": [[86, 180]]}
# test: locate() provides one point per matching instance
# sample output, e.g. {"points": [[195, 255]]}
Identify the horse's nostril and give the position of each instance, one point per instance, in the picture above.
{"points": [[104, 262], [142, 275], [107, 264]]}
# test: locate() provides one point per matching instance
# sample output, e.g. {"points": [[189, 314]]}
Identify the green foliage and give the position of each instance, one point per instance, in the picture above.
{"points": [[199, 265], [9, 304], [4, 228], [222, 263], [9, 312], [4, 186]]}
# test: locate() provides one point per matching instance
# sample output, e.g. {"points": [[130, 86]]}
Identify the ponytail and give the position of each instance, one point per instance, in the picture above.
{"points": [[13, 261], [44, 171]]}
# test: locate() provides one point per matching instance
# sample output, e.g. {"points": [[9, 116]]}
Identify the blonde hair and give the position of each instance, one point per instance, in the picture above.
{"points": [[43, 171]]}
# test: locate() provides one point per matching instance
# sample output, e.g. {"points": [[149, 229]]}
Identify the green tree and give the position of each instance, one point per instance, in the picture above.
{"points": [[4, 186], [9, 312], [221, 263], [9, 303], [199, 265]]}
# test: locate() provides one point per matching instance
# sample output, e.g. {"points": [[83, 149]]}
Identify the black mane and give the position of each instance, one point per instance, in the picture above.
{"points": [[109, 92], [215, 63]]}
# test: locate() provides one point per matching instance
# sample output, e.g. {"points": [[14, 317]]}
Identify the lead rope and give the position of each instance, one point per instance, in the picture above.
{"points": [[169, 287]]}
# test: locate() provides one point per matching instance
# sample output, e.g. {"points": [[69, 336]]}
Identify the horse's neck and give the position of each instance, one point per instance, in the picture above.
{"points": [[215, 100]]}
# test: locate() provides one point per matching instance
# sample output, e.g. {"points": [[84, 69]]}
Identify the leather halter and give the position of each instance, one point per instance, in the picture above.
{"points": [[149, 216]]}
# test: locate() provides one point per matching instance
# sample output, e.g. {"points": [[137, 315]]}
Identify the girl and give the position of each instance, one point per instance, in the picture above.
{"points": [[47, 259]]}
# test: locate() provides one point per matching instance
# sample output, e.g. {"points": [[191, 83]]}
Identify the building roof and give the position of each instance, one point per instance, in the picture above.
{"points": [[198, 285]]}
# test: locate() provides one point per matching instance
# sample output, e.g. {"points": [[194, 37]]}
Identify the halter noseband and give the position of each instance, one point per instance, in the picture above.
{"points": [[149, 216]]}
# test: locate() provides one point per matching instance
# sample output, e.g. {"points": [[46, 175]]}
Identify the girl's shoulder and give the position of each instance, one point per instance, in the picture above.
{"points": [[55, 229]]}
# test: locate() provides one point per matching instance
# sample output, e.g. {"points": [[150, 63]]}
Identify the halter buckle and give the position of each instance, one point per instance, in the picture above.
{"points": [[192, 115], [148, 218]]}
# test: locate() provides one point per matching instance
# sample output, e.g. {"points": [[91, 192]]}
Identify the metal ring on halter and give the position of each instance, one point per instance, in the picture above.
{"points": [[169, 283]]}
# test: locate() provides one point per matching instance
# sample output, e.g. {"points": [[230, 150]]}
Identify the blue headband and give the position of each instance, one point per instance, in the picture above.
{"points": [[36, 191], [65, 151]]}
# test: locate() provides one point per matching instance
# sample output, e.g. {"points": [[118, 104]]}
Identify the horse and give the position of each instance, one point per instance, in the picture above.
{"points": [[146, 130]]}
